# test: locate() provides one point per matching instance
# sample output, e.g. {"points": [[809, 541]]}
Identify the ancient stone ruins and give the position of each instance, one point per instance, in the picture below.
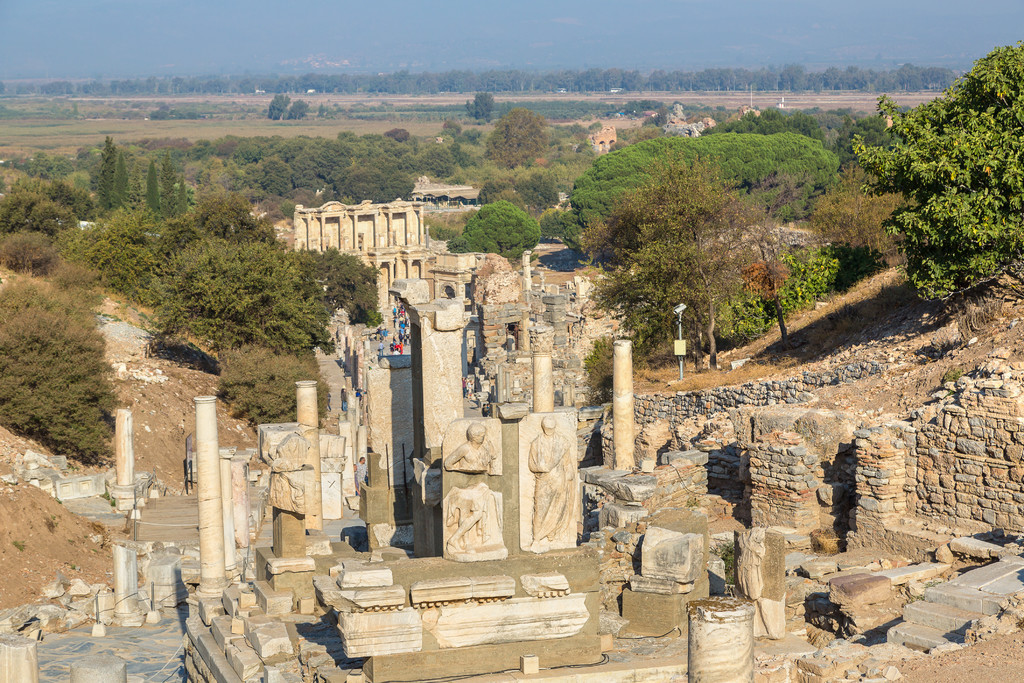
{"points": [[468, 514]]}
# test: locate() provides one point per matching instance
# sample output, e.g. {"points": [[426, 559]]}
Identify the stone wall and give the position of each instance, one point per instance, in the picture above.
{"points": [[682, 405], [881, 478], [968, 452]]}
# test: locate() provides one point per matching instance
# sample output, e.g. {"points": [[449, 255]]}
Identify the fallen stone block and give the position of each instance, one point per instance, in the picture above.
{"points": [[857, 590]]}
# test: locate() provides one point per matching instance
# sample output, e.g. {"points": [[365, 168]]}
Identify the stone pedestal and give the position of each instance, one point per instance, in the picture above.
{"points": [[212, 579], [623, 425], [99, 669], [227, 506], [543, 378], [308, 416], [126, 587], [761, 578], [19, 660], [721, 641]]}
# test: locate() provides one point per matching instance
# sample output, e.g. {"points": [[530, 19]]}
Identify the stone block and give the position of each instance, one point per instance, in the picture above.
{"points": [[973, 547], [369, 634], [644, 584], [356, 574], [384, 597], [671, 555], [441, 591], [269, 639], [617, 515], [272, 601], [857, 590], [243, 660], [493, 587], [529, 664], [691, 457], [210, 608], [915, 572], [545, 585], [282, 565]]}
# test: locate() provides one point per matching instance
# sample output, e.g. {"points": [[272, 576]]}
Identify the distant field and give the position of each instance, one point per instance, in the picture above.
{"points": [[49, 124]]}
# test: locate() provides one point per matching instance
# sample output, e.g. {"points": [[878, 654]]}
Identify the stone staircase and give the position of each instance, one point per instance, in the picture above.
{"points": [[948, 608]]}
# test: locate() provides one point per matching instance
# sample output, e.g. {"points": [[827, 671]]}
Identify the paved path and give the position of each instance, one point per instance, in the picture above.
{"points": [[153, 653]]}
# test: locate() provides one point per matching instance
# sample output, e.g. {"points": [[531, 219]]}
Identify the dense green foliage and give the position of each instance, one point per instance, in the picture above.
{"points": [[230, 295], [48, 208], [846, 214], [481, 106], [745, 159], [772, 121], [959, 159], [598, 365], [347, 283], [54, 381], [260, 384], [518, 138], [498, 228], [119, 249]]}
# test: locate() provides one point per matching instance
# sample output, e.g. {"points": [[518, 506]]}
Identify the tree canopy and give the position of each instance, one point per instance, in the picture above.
{"points": [[499, 228], [481, 106], [744, 158], [959, 159], [520, 136]]}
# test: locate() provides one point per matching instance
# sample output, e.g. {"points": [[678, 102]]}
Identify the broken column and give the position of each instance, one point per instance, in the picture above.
{"points": [[623, 427], [212, 580], [227, 506], [126, 587], [240, 498], [543, 380], [19, 659], [527, 274], [124, 459], [309, 417], [99, 669], [720, 648]]}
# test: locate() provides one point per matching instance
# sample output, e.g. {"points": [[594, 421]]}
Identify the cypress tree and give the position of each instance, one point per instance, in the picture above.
{"points": [[120, 196], [152, 189], [108, 168], [181, 198], [168, 179]]}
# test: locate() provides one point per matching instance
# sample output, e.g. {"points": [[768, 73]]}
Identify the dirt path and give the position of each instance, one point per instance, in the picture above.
{"points": [[999, 660]]}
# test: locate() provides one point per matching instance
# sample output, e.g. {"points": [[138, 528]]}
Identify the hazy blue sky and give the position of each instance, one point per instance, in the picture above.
{"points": [[112, 38]]}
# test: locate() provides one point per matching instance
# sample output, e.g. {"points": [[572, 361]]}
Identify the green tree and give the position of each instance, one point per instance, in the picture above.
{"points": [[481, 107], [229, 216], [278, 107], [772, 121], [959, 160], [745, 159], [120, 196], [168, 181], [108, 169], [259, 384], [501, 228], [231, 295], [29, 208], [846, 214], [55, 383], [180, 197], [298, 110], [676, 239], [119, 249], [518, 137], [152, 190], [346, 281], [538, 190]]}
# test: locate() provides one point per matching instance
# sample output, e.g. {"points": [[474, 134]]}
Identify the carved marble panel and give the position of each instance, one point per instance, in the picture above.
{"points": [[367, 634], [549, 489], [671, 555], [760, 577], [509, 621], [472, 445], [473, 524], [289, 474]]}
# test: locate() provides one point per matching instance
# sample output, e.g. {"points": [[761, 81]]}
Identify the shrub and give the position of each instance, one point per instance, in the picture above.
{"points": [[28, 252], [259, 384], [598, 365], [121, 251], [54, 381]]}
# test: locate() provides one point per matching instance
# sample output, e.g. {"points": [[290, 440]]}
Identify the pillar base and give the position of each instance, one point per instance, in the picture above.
{"points": [[212, 591]]}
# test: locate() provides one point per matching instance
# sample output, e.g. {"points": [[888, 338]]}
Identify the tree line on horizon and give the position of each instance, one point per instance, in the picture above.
{"points": [[789, 78]]}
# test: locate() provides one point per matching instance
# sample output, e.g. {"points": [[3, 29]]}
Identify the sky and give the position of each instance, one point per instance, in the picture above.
{"points": [[121, 38]]}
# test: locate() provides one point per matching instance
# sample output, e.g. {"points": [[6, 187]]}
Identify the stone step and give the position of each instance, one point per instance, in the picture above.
{"points": [[919, 637], [963, 597], [940, 617], [914, 572], [1002, 578]]}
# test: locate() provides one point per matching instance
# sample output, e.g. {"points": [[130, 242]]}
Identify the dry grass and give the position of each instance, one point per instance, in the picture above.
{"points": [[825, 541]]}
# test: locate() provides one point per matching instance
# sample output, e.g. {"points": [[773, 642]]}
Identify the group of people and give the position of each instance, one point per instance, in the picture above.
{"points": [[400, 338]]}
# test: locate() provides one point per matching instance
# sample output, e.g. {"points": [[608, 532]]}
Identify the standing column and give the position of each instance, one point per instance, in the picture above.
{"points": [[543, 381], [126, 586], [124, 448], [308, 416], [240, 498], [19, 659], [527, 274], [623, 427], [721, 641], [524, 327], [211, 516], [227, 508]]}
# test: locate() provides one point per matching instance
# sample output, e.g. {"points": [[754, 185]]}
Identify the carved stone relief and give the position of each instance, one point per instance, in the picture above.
{"points": [[472, 446], [548, 482], [760, 568], [473, 524], [289, 474]]}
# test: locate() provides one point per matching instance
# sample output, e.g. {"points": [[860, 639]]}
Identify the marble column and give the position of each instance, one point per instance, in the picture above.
{"points": [[227, 508], [99, 669], [524, 330], [361, 443], [527, 274], [124, 449], [623, 427], [543, 379], [211, 516], [721, 641], [126, 585], [19, 659], [308, 416], [240, 498]]}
